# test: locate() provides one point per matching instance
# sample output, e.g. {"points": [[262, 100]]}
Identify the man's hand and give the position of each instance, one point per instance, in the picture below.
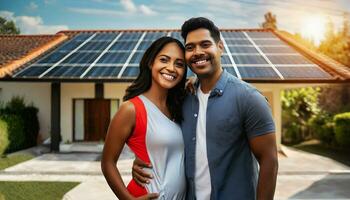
{"points": [[138, 174]]}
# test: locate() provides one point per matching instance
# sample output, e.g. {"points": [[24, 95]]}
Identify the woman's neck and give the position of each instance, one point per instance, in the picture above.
{"points": [[157, 95]]}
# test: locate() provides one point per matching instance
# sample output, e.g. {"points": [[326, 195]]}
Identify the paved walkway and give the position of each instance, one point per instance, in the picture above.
{"points": [[301, 175]]}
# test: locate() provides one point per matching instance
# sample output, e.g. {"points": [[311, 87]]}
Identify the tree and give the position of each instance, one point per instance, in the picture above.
{"points": [[8, 27], [270, 21]]}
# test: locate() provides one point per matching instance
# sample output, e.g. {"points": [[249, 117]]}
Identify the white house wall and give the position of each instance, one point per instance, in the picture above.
{"points": [[70, 91], [37, 93]]}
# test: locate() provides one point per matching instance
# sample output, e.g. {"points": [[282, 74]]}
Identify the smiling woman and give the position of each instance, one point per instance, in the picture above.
{"points": [[314, 28]]}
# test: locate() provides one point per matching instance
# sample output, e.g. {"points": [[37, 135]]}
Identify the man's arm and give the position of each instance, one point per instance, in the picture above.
{"points": [[265, 150]]}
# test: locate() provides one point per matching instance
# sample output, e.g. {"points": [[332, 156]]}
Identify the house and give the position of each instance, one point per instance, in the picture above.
{"points": [[77, 78]]}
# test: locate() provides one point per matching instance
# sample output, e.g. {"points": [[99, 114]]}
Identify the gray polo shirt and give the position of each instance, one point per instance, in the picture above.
{"points": [[236, 112]]}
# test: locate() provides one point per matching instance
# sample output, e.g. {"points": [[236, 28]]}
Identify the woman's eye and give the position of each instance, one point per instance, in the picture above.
{"points": [[180, 64], [164, 60]]}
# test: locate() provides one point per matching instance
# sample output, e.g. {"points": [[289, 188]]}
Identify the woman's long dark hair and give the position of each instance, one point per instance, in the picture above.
{"points": [[143, 81]]}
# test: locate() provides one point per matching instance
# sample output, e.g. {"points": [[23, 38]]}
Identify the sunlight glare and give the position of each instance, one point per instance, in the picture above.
{"points": [[314, 28]]}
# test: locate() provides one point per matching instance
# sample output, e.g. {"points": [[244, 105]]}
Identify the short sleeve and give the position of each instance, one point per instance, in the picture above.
{"points": [[257, 114]]}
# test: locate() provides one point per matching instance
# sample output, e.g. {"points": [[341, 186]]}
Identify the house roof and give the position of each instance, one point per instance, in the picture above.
{"points": [[255, 55], [16, 50]]}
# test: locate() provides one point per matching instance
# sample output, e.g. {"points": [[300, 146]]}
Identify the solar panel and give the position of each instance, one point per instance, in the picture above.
{"points": [[65, 71], [230, 70], [95, 45], [249, 59], [258, 72], [114, 57], [82, 36], [123, 45], [70, 45], [303, 73], [131, 36], [288, 59], [284, 49], [136, 58], [103, 72], [177, 35], [235, 49], [81, 57], [117, 55], [154, 35], [53, 57], [237, 42], [229, 34], [144, 45], [33, 71], [131, 72], [259, 34], [268, 42], [105, 36], [225, 59]]}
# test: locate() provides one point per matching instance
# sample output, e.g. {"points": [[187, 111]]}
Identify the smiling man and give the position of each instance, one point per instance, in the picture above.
{"points": [[228, 130]]}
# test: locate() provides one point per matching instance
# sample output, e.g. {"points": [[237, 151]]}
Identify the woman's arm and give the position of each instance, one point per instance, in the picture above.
{"points": [[119, 130]]}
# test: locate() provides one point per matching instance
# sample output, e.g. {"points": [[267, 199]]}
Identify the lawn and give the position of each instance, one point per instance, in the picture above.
{"points": [[314, 146], [34, 190], [11, 160]]}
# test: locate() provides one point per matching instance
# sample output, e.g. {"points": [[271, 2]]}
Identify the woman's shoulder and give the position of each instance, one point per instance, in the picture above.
{"points": [[127, 109]]}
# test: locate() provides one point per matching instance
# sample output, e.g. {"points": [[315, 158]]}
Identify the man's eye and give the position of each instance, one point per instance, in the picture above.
{"points": [[206, 45], [189, 48]]}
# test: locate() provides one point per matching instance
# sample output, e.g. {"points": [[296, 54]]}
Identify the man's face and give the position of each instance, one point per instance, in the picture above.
{"points": [[203, 54]]}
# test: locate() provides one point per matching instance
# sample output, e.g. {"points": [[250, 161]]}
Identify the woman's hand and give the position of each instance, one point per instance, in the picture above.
{"points": [[138, 174], [148, 196], [189, 86]]}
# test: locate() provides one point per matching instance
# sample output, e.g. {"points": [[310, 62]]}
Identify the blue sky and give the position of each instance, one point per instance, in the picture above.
{"points": [[51, 16]]}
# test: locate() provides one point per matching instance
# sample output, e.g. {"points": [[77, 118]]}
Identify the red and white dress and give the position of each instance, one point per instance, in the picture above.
{"points": [[158, 140]]}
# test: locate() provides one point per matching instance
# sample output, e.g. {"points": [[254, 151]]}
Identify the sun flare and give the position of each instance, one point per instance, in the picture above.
{"points": [[314, 28]]}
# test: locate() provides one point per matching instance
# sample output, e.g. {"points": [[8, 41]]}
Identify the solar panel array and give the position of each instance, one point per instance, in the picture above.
{"points": [[113, 55]]}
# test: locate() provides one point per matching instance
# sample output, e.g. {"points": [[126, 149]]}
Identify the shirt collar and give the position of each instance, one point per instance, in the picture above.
{"points": [[219, 86]]}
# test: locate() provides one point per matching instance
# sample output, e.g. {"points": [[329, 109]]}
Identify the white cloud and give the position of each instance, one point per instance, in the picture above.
{"points": [[146, 10], [132, 8], [92, 11], [32, 24], [129, 5], [32, 6], [7, 15]]}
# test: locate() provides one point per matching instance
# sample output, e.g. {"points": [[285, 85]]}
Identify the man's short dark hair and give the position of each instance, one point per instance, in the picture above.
{"points": [[200, 22]]}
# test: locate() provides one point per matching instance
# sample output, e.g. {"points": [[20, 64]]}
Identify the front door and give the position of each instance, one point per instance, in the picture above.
{"points": [[96, 119]]}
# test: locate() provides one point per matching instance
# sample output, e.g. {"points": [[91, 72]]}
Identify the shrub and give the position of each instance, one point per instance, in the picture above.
{"points": [[4, 142], [15, 130], [321, 126], [298, 107], [28, 120], [342, 128]]}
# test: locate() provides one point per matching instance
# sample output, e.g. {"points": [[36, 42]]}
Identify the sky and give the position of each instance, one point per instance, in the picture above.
{"points": [[51, 16]]}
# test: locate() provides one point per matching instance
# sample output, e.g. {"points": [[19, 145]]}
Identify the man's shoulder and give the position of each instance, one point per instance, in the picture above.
{"points": [[238, 86]]}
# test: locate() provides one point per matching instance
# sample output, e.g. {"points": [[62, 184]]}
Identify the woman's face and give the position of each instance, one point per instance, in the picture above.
{"points": [[168, 67]]}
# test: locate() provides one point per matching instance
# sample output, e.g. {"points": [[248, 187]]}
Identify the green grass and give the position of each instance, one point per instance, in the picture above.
{"points": [[34, 190], [11, 160], [315, 147]]}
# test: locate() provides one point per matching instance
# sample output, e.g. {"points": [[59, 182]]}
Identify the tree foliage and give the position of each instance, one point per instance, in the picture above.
{"points": [[270, 21], [8, 27]]}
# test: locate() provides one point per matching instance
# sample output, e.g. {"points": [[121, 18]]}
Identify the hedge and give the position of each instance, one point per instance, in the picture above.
{"points": [[342, 128], [15, 132], [4, 141], [21, 125]]}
